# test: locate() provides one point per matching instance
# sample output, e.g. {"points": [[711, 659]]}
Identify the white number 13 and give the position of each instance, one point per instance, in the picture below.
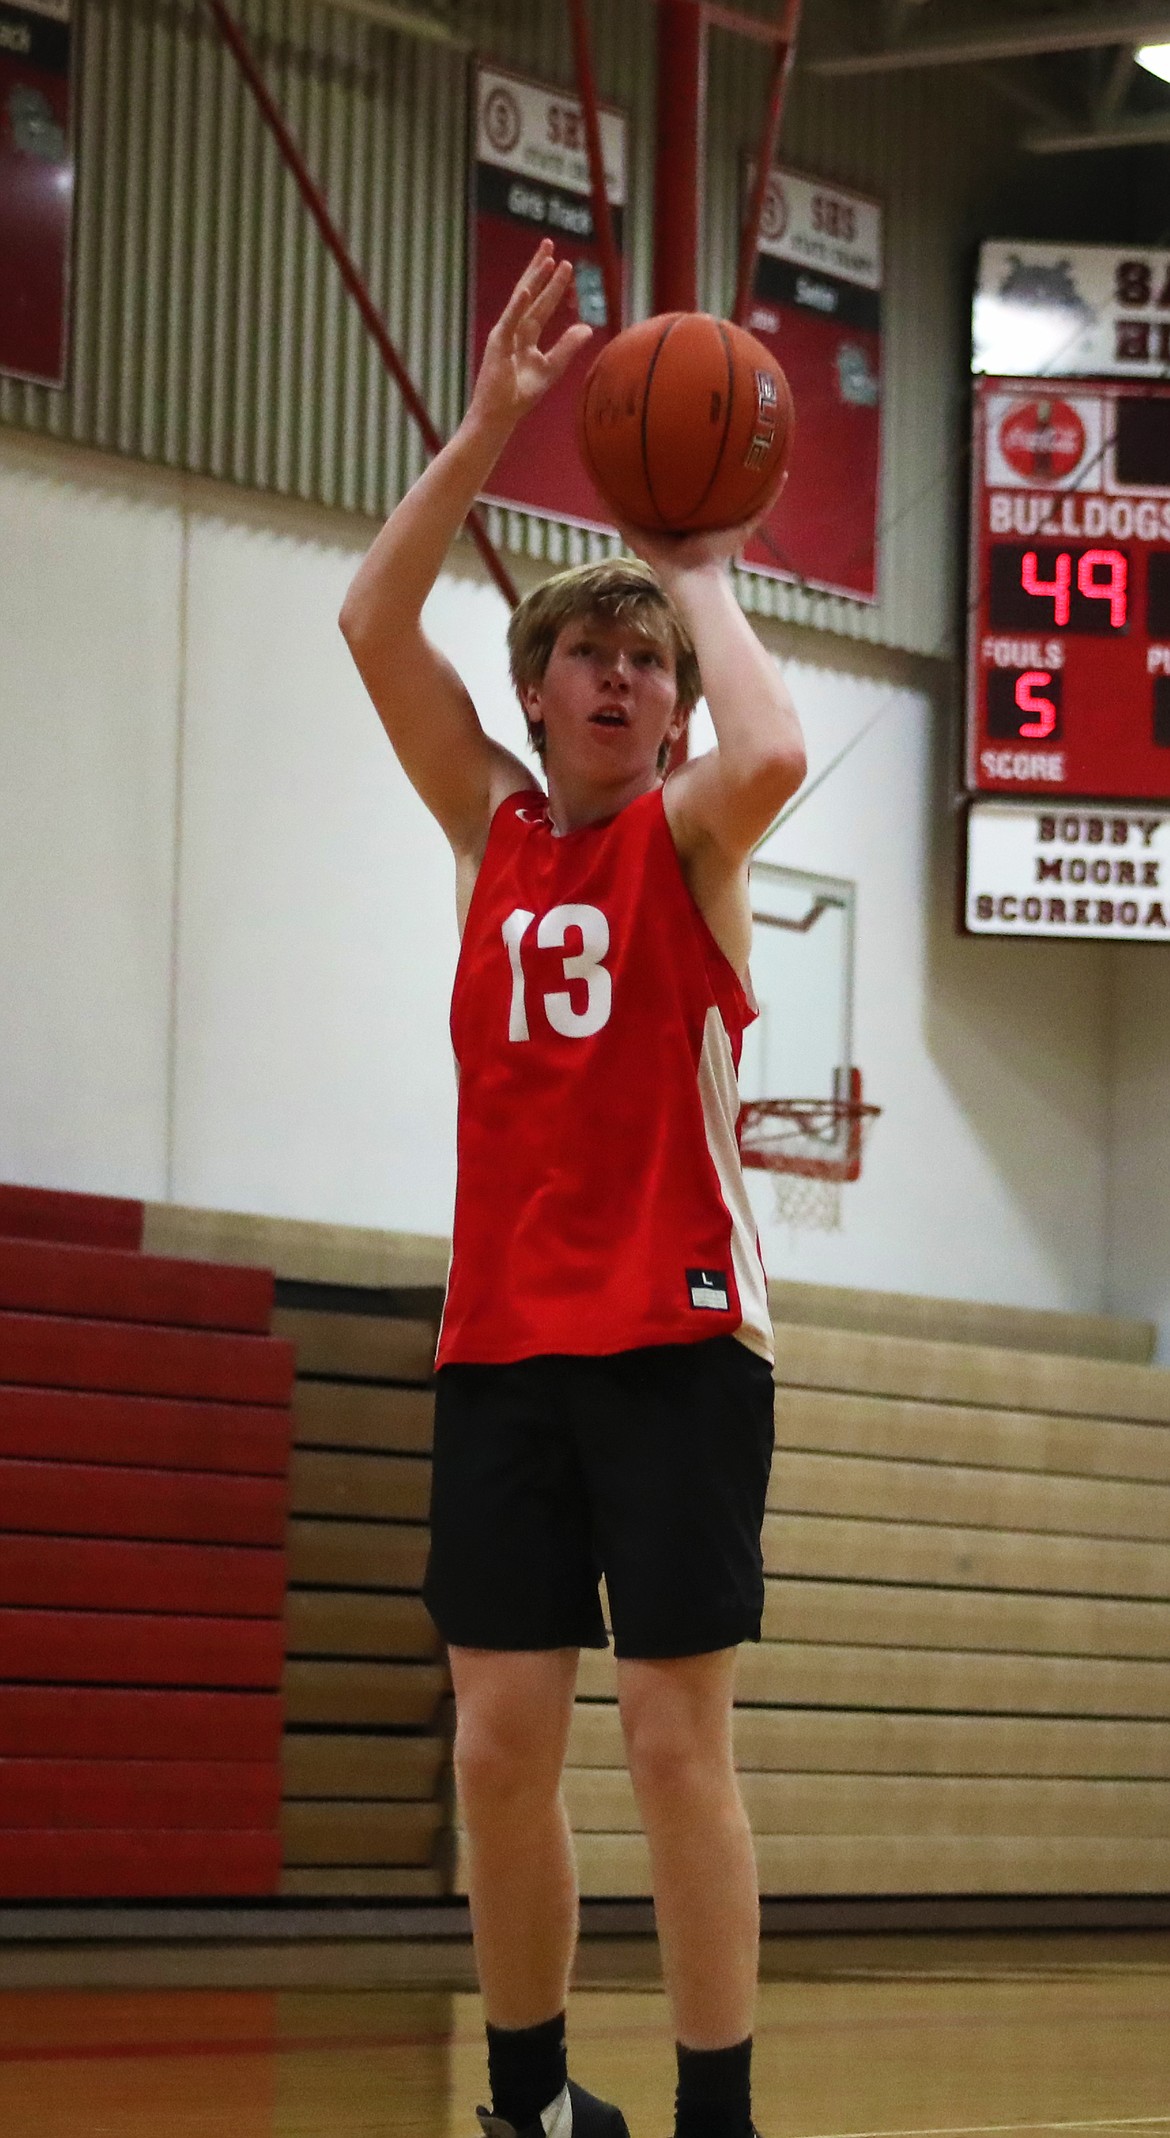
{"points": [[585, 964]]}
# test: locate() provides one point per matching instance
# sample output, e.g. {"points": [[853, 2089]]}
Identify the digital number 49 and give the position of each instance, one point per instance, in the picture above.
{"points": [[1113, 588]]}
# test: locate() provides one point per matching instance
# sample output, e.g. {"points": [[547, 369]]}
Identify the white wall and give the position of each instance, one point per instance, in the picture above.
{"points": [[1138, 1275], [90, 582], [985, 1176], [317, 936], [199, 810]]}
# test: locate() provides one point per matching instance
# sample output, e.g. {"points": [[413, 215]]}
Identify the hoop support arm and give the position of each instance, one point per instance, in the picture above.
{"points": [[241, 52]]}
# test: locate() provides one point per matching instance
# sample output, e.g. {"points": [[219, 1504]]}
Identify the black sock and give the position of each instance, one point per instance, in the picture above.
{"points": [[527, 2069], [714, 2097]]}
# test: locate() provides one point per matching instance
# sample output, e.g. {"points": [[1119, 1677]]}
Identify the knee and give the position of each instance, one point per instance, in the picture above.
{"points": [[670, 1761], [497, 1769]]}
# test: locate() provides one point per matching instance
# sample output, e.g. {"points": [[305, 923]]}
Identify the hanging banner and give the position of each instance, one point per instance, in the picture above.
{"points": [[36, 188], [529, 180], [817, 306]]}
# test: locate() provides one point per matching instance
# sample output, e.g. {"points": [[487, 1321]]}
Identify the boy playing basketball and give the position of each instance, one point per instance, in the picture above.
{"points": [[604, 1391]]}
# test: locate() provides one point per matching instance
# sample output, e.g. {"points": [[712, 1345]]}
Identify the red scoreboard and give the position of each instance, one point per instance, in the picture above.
{"points": [[1067, 756], [1069, 651]]}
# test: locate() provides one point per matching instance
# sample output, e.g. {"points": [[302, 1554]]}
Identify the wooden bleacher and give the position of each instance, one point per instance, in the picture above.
{"points": [[964, 1683], [366, 1756], [144, 1450]]}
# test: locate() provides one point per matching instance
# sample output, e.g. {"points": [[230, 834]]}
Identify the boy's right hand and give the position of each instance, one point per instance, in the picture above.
{"points": [[516, 372]]}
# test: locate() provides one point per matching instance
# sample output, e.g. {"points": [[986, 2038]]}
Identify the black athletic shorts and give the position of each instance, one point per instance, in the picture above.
{"points": [[650, 1467]]}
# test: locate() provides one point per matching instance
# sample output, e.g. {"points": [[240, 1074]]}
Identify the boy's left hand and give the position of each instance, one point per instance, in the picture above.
{"points": [[669, 554]]}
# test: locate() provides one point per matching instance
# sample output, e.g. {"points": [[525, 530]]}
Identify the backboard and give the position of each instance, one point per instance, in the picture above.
{"points": [[802, 970]]}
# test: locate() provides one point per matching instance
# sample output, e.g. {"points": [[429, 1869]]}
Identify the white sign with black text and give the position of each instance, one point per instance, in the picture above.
{"points": [[827, 228], [1069, 311], [539, 133], [1079, 871]]}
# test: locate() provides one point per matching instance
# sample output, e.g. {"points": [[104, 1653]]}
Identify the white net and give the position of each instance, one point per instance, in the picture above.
{"points": [[811, 1148], [807, 1205]]}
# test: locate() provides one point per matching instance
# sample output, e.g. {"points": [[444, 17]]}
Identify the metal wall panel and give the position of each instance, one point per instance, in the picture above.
{"points": [[212, 332]]}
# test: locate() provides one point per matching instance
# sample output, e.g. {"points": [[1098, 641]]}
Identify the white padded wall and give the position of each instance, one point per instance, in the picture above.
{"points": [[90, 574], [317, 939], [1139, 1257], [984, 1177]]}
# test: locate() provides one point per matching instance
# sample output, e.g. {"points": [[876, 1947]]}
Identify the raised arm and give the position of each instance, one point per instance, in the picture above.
{"points": [[728, 797], [720, 805], [458, 771]]}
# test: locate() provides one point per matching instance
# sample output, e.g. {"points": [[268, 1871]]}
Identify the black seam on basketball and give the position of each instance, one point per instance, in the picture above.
{"points": [[701, 500], [663, 338], [758, 495], [586, 448]]}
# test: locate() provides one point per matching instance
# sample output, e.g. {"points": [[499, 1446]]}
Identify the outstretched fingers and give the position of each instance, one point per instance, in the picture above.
{"points": [[539, 271], [561, 355], [546, 301]]}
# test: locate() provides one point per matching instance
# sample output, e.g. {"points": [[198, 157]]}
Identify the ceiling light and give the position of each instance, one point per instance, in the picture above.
{"points": [[1155, 59]]}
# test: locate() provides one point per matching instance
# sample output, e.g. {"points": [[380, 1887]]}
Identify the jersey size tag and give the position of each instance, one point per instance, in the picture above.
{"points": [[708, 1288]]}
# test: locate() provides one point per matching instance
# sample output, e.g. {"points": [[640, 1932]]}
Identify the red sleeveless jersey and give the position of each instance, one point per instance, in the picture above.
{"points": [[597, 1029]]}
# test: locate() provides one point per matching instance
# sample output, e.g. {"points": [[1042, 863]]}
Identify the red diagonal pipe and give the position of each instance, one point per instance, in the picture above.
{"points": [[240, 50], [786, 32], [611, 273]]}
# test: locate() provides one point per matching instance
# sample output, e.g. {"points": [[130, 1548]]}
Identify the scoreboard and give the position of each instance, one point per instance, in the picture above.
{"points": [[1069, 653], [1067, 750]]}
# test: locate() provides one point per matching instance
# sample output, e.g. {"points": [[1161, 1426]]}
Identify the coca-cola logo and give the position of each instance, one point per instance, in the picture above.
{"points": [[1042, 440]]}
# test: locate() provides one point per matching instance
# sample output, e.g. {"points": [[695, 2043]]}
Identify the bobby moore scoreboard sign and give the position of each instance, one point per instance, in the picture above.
{"points": [[1068, 871], [1068, 671]]}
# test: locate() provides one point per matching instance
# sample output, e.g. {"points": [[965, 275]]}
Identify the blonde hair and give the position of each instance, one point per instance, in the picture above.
{"points": [[618, 590]]}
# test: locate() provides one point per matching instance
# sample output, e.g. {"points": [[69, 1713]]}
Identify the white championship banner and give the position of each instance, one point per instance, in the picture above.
{"points": [[1078, 871]]}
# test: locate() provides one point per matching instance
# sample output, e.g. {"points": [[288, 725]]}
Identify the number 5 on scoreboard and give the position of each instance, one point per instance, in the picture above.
{"points": [[1041, 711]]}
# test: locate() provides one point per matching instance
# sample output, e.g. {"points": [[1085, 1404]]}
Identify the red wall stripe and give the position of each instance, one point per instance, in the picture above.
{"points": [[154, 1431], [182, 1506], [84, 1573], [122, 1648], [105, 1722], [150, 1865], [52, 1352], [42, 1277], [127, 1794], [86, 1220]]}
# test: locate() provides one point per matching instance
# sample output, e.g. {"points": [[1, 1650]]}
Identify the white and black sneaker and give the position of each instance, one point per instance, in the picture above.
{"points": [[574, 2114]]}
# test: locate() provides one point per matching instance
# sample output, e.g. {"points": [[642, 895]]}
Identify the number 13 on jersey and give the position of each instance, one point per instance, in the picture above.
{"points": [[552, 931]]}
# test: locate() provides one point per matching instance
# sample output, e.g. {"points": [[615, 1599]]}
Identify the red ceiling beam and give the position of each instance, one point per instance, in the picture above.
{"points": [[678, 164], [784, 36], [241, 52], [678, 174], [611, 273]]}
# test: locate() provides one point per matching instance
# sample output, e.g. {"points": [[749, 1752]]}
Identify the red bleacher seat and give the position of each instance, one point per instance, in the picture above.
{"points": [[145, 1434]]}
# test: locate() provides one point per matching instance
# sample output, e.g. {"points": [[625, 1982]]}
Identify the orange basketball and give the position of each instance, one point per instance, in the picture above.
{"points": [[685, 423]]}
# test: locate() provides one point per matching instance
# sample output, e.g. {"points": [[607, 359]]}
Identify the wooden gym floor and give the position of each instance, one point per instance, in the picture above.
{"points": [[951, 2040]]}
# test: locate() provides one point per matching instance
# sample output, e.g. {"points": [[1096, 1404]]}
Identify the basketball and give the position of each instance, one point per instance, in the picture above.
{"points": [[685, 423]]}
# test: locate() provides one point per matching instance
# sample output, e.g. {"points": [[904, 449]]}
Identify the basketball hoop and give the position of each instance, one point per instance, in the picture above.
{"points": [[811, 1147]]}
